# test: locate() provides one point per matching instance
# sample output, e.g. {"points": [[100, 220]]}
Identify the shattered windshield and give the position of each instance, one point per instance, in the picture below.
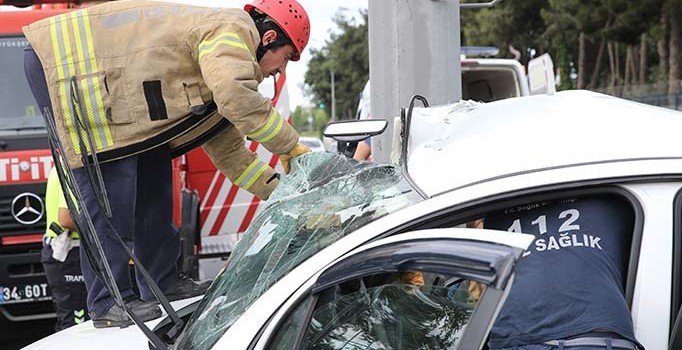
{"points": [[325, 197], [19, 109]]}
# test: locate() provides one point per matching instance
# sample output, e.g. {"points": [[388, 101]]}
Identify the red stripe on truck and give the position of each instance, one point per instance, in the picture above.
{"points": [[229, 201], [25, 239], [211, 197]]}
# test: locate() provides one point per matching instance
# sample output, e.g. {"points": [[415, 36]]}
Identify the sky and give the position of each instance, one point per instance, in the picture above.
{"points": [[321, 13]]}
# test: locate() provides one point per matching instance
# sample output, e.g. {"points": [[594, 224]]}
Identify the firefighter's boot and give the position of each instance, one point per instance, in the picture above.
{"points": [[185, 287], [116, 317]]}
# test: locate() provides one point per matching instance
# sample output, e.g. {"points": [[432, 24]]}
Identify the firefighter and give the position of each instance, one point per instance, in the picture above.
{"points": [[60, 258], [136, 83]]}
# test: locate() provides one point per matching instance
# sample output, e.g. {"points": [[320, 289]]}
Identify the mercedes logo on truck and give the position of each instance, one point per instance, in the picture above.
{"points": [[27, 208]]}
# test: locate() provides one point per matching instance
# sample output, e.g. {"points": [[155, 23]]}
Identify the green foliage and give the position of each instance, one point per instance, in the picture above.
{"points": [[347, 54], [309, 121], [515, 23], [621, 46], [554, 26]]}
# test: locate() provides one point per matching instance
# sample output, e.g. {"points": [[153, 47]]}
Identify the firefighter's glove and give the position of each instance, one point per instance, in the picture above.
{"points": [[285, 159]]}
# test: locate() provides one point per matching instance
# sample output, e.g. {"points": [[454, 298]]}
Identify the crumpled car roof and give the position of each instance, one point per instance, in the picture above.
{"points": [[460, 144]]}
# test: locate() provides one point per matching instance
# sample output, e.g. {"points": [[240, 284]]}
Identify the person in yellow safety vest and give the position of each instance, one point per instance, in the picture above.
{"points": [[60, 258], [139, 82]]}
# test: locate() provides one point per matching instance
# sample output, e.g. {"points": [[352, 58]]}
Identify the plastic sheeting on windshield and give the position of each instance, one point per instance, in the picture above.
{"points": [[324, 198]]}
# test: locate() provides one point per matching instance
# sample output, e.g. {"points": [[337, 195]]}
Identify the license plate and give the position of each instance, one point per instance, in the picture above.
{"points": [[24, 293]]}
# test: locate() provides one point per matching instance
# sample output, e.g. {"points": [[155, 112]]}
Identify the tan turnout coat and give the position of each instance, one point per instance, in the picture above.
{"points": [[140, 74]]}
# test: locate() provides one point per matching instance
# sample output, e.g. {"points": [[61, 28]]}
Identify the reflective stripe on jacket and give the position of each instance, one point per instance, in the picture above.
{"points": [[138, 74]]}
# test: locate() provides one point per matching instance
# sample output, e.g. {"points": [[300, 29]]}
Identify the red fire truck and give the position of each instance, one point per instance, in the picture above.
{"points": [[211, 212], [25, 162]]}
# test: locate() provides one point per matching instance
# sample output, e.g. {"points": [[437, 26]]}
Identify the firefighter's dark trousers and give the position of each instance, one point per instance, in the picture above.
{"points": [[139, 189], [67, 287]]}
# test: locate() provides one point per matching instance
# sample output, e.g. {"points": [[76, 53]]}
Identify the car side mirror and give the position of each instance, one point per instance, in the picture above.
{"points": [[349, 133]]}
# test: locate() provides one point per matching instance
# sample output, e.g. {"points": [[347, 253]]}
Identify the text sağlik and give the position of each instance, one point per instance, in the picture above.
{"points": [[567, 240]]}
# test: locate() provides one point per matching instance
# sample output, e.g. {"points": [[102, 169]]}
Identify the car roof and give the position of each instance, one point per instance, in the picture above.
{"points": [[461, 144], [502, 62]]}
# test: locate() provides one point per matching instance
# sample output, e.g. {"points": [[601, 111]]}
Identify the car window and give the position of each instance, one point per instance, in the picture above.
{"points": [[487, 84], [384, 311], [323, 199]]}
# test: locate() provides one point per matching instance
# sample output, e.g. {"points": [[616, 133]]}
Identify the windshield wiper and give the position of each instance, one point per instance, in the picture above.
{"points": [[92, 244]]}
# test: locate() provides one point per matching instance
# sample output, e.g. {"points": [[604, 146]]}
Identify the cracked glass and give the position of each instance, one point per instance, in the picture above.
{"points": [[325, 198], [391, 316], [381, 311]]}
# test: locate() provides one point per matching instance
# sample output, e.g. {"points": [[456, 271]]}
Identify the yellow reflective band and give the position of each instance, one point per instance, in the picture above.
{"points": [[84, 83], [90, 84], [255, 177], [221, 36], [246, 172], [96, 84], [275, 132], [232, 39], [249, 176], [71, 72], [270, 129], [98, 88], [58, 47], [271, 120]]}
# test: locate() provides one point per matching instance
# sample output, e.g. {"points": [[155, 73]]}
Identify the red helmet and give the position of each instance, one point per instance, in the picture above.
{"points": [[290, 16]]}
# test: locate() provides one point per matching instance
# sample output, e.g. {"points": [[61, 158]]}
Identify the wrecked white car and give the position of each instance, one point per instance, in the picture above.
{"points": [[322, 267]]}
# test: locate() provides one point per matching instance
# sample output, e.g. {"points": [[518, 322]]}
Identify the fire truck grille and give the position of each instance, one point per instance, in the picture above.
{"points": [[9, 225]]}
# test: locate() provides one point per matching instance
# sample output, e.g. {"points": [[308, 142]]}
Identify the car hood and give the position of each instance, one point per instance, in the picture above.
{"points": [[86, 336]]}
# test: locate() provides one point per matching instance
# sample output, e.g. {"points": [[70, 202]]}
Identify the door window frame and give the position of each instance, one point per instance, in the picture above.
{"points": [[675, 333], [486, 308]]}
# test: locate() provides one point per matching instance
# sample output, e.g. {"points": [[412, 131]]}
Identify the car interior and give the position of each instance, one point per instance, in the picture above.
{"points": [[489, 85], [382, 310]]}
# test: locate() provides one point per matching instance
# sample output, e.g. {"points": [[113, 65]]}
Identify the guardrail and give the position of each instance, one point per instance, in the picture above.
{"points": [[651, 94]]}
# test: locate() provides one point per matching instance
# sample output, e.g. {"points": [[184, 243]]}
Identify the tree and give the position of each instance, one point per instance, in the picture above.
{"points": [[594, 43], [674, 11], [510, 23], [309, 121], [347, 54]]}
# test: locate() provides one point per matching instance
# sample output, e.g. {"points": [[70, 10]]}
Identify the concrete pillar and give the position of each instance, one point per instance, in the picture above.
{"points": [[414, 48]]}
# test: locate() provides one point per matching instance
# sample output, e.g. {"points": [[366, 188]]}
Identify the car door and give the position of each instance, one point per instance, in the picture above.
{"points": [[438, 288], [541, 79]]}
